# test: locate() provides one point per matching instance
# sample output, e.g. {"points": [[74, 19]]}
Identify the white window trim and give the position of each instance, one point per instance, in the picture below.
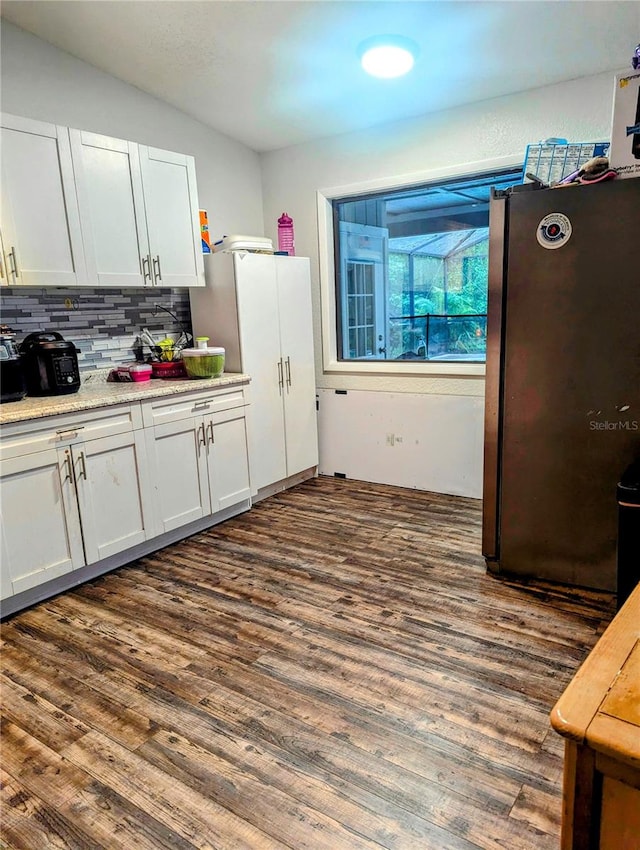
{"points": [[324, 197]]}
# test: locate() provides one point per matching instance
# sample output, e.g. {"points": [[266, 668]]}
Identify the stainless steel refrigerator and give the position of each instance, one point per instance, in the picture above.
{"points": [[562, 417]]}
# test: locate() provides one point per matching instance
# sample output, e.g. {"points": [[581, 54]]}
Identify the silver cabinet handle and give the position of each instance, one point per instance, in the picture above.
{"points": [[146, 269], [202, 439], [69, 467], [83, 469], [68, 433], [13, 265], [288, 365], [156, 268], [211, 437], [201, 405], [280, 376], [1, 267]]}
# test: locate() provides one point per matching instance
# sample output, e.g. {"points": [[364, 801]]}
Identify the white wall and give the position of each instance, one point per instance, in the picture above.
{"points": [[40, 81], [413, 151], [425, 441]]}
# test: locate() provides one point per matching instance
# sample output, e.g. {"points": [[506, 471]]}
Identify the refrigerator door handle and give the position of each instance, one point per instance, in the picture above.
{"points": [[492, 414]]}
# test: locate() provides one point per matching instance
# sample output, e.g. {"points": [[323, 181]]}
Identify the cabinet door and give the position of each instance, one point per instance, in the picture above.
{"points": [[296, 340], [259, 322], [114, 494], [6, 585], [178, 459], [39, 213], [40, 523], [173, 220], [4, 280], [109, 188], [228, 461]]}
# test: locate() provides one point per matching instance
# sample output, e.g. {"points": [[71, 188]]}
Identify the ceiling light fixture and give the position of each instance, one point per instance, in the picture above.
{"points": [[388, 56]]}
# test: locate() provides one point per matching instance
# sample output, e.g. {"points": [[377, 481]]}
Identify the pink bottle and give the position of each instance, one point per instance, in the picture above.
{"points": [[285, 235]]}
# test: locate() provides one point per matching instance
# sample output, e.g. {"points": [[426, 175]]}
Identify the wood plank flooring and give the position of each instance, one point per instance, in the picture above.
{"points": [[333, 670]]}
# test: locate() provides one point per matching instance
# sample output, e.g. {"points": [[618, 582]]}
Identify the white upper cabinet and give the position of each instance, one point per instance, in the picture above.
{"points": [[139, 213], [111, 203], [80, 208], [39, 215], [173, 220]]}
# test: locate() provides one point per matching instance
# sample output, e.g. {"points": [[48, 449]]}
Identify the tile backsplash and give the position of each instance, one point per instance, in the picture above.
{"points": [[103, 323]]}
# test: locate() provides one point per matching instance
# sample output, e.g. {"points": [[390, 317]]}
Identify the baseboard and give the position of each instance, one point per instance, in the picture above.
{"points": [[285, 484]]}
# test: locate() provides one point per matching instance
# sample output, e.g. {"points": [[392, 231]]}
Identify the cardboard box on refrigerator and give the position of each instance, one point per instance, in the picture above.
{"points": [[624, 153]]}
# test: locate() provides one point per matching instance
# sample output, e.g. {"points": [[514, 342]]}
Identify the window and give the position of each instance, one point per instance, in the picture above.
{"points": [[411, 271]]}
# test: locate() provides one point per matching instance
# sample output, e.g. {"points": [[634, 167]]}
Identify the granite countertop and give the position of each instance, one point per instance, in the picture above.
{"points": [[95, 391]]}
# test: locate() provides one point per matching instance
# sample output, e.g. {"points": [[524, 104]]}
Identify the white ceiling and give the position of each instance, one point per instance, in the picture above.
{"points": [[273, 73]]}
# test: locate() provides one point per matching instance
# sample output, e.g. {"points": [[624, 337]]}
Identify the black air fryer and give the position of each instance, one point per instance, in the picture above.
{"points": [[50, 364]]}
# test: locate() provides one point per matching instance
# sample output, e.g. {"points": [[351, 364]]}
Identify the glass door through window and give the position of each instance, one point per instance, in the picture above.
{"points": [[363, 251]]}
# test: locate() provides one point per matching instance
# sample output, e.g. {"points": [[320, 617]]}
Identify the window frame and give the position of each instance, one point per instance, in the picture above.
{"points": [[327, 263]]}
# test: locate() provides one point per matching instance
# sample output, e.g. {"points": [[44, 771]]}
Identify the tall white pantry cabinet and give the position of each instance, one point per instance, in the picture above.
{"points": [[258, 307]]}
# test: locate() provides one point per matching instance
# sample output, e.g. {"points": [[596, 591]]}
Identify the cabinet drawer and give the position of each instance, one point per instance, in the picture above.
{"points": [[21, 438], [159, 411]]}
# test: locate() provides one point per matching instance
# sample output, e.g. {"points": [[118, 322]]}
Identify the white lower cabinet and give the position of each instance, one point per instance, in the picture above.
{"points": [[227, 460], [80, 488], [114, 493], [74, 490], [41, 535], [199, 462], [72, 505], [179, 472]]}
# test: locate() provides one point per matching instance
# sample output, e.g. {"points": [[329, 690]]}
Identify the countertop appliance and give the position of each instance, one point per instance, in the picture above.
{"points": [[50, 364], [562, 414], [12, 384]]}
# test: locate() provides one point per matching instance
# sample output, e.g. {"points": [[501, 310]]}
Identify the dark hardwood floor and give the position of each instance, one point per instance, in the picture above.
{"points": [[333, 670]]}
